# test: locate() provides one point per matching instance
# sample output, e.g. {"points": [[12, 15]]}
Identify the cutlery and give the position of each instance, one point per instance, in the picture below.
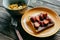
{"points": [[14, 24]]}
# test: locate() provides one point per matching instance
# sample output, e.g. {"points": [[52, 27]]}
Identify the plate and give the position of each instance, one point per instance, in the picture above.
{"points": [[34, 11]]}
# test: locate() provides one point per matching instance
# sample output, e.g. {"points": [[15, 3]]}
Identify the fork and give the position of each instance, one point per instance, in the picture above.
{"points": [[14, 24]]}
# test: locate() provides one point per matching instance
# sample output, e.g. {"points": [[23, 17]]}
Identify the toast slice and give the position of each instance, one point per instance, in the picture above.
{"points": [[40, 22]]}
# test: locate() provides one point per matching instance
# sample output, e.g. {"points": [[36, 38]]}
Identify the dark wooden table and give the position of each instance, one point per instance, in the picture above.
{"points": [[11, 35]]}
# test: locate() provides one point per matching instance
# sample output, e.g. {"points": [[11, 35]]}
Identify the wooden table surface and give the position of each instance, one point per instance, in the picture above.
{"points": [[12, 36]]}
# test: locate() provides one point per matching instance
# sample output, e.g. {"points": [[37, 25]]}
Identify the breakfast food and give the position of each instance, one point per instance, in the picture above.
{"points": [[16, 6], [41, 22]]}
